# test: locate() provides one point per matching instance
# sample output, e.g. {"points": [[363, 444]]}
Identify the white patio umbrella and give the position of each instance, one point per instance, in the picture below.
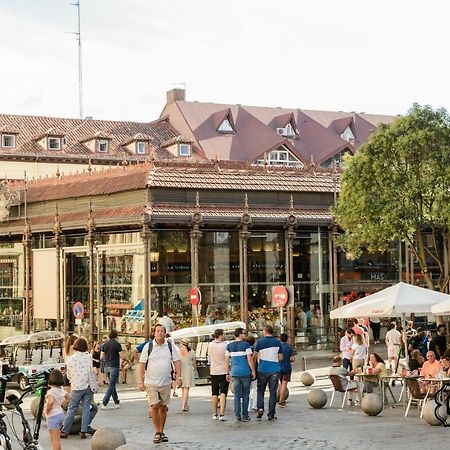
{"points": [[442, 308], [395, 301]]}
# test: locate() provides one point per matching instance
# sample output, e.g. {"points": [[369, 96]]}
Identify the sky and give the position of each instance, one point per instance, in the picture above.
{"points": [[348, 55]]}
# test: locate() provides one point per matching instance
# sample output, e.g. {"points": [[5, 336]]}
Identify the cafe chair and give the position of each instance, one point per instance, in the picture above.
{"points": [[415, 395], [338, 387]]}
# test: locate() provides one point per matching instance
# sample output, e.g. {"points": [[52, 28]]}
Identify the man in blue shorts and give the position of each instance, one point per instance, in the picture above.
{"points": [[269, 352], [242, 372]]}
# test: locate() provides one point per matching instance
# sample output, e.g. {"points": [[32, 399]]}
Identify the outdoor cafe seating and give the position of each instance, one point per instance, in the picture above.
{"points": [[338, 387]]}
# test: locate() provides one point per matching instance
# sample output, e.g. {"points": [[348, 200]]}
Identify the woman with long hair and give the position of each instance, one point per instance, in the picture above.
{"points": [[378, 367], [359, 350], [188, 368], [67, 352]]}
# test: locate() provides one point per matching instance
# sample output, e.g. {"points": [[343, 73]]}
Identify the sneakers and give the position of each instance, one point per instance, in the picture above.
{"points": [[259, 414], [105, 406], [238, 419], [222, 418], [117, 405], [215, 417], [246, 419], [350, 402], [271, 418]]}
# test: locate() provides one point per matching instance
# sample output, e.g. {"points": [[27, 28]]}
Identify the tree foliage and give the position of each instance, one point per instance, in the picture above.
{"points": [[398, 187]]}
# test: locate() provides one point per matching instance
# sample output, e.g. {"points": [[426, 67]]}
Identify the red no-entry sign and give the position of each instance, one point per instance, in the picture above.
{"points": [[195, 297], [280, 296]]}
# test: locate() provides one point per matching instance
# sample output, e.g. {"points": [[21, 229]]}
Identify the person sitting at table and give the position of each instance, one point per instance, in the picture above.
{"points": [[445, 365], [379, 370], [430, 369], [343, 373], [416, 362]]}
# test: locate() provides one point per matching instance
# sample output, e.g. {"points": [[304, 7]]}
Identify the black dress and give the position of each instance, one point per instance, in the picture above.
{"points": [[96, 359]]}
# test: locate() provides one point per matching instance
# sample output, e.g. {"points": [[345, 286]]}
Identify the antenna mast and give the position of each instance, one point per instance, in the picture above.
{"points": [[80, 69]]}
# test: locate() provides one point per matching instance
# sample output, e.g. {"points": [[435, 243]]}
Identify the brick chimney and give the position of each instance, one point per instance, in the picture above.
{"points": [[175, 95]]}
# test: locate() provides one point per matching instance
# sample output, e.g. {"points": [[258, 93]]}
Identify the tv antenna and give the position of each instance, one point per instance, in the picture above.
{"points": [[80, 68]]}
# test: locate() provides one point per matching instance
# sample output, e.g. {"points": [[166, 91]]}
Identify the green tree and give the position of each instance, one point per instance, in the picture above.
{"points": [[398, 187]]}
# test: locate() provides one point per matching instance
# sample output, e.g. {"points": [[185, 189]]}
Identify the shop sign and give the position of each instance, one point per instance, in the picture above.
{"points": [[280, 296], [195, 297]]}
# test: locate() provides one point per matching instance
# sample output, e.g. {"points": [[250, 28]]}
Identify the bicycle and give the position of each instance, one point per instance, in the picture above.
{"points": [[30, 438]]}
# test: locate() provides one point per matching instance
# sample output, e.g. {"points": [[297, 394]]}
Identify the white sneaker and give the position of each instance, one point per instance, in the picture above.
{"points": [[117, 405], [222, 418], [215, 417], [105, 406]]}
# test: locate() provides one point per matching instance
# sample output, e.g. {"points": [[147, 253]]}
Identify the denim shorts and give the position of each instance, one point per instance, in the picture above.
{"points": [[55, 422]]}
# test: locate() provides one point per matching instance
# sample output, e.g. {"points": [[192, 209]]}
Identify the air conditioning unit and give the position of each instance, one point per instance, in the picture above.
{"points": [[288, 133], [281, 131]]}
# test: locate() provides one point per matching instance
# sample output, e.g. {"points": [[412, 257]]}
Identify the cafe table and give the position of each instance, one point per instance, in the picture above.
{"points": [[384, 384]]}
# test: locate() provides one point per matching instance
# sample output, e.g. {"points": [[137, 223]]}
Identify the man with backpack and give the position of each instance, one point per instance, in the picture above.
{"points": [[155, 364]]}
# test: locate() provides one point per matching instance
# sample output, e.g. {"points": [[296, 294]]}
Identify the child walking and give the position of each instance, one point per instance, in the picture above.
{"points": [[56, 395]]}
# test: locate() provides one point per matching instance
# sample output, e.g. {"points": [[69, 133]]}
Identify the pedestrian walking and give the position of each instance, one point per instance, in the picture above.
{"points": [[253, 387], [375, 324], [285, 368], [155, 364], [79, 366], [242, 372], [111, 354], [269, 352], [345, 346], [188, 369], [393, 343], [56, 395], [218, 372], [95, 352]]}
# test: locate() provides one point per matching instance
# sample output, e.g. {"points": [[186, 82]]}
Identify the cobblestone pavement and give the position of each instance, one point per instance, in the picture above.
{"points": [[298, 426]]}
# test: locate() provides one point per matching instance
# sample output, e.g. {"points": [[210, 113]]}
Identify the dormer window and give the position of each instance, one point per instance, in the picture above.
{"points": [[8, 140], [225, 126], [287, 131], [347, 135], [140, 148], [54, 143], [102, 145], [184, 149]]}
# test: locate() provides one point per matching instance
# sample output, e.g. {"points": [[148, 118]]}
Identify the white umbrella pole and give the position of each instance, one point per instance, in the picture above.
{"points": [[405, 341]]}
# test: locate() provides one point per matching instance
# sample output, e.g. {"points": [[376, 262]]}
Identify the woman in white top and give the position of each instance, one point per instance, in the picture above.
{"points": [[188, 368], [359, 351]]}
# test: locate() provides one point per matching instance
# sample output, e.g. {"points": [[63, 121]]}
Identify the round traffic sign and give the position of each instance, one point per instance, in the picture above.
{"points": [[78, 310], [195, 297], [280, 296]]}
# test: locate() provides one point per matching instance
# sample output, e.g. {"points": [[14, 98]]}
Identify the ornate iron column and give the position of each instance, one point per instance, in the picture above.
{"points": [[57, 231], [290, 235], [195, 235], [26, 240], [244, 236], [145, 236], [90, 227]]}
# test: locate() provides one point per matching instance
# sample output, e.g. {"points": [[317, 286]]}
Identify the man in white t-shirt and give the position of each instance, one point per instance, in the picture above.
{"points": [[393, 341], [218, 372], [156, 365]]}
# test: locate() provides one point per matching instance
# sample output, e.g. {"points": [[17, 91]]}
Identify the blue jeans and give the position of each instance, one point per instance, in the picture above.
{"points": [[241, 387], [271, 379], [84, 396], [113, 375]]}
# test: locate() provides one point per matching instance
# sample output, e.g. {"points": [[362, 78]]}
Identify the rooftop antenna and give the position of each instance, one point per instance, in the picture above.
{"points": [[80, 69]]}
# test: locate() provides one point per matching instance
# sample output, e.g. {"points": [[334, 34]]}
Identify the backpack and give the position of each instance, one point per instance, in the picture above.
{"points": [[150, 349]]}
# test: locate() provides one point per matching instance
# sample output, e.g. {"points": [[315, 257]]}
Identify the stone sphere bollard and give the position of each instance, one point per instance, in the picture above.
{"points": [[307, 379], [128, 447], [317, 398], [372, 404], [428, 413], [107, 438], [34, 407]]}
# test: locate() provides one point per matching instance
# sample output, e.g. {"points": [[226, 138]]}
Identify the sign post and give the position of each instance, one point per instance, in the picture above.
{"points": [[78, 313], [280, 297]]}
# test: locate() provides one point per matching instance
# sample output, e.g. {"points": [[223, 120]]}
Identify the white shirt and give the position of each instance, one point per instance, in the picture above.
{"points": [[360, 351], [159, 366], [345, 347], [58, 394], [216, 357], [393, 337], [78, 367]]}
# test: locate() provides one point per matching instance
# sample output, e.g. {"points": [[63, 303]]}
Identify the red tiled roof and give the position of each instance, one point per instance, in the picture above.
{"points": [[77, 131]]}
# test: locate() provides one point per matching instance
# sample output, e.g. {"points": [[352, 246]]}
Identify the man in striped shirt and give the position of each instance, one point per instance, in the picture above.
{"points": [[242, 371], [269, 352]]}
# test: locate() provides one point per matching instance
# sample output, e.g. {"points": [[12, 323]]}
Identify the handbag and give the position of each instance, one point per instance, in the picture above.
{"points": [[93, 382]]}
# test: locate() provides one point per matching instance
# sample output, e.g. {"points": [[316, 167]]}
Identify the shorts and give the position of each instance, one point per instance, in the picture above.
{"points": [[392, 351], [158, 394], [55, 422], [284, 376], [219, 384]]}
